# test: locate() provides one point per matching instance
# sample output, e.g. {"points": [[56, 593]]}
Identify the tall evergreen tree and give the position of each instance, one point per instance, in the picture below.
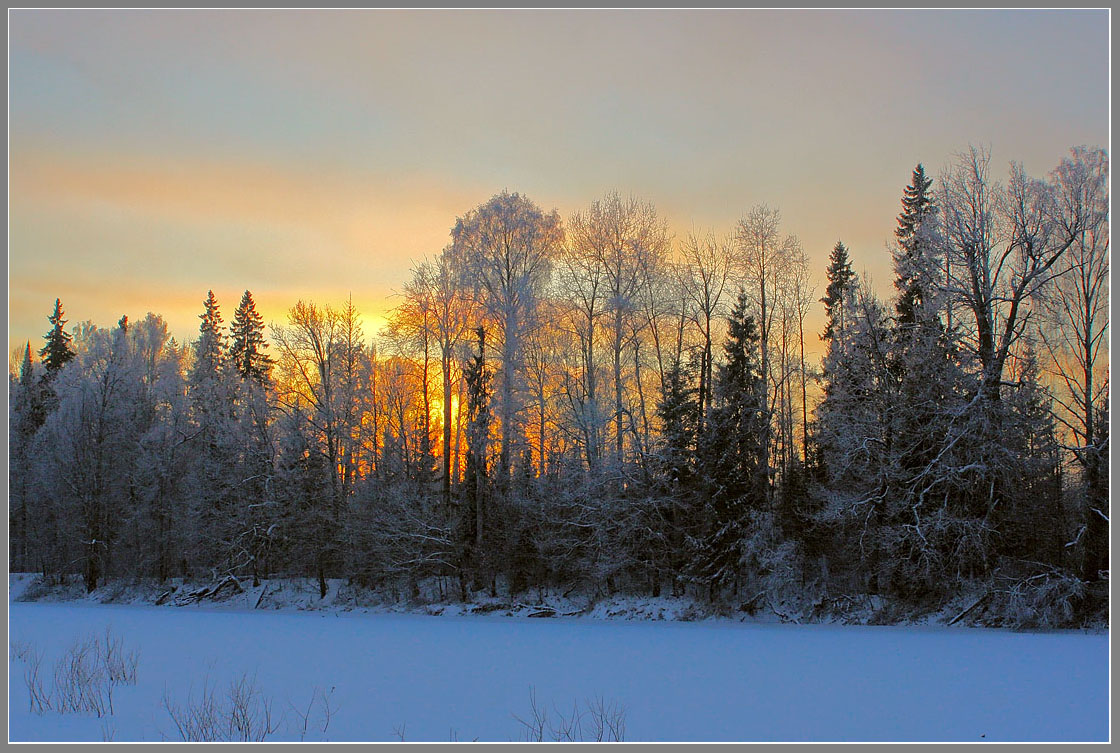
{"points": [[916, 256], [921, 358], [920, 479], [677, 411], [730, 453], [25, 416], [477, 376], [247, 343], [838, 293], [669, 516], [1033, 526], [210, 348], [57, 352], [214, 471], [25, 368]]}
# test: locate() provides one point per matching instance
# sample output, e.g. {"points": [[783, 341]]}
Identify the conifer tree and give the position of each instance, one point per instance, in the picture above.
{"points": [[25, 368], [924, 387], [921, 358], [1033, 526], [247, 343], [214, 462], [677, 411], [210, 347], [916, 257], [838, 293], [670, 516], [57, 352], [730, 455], [477, 376], [25, 417]]}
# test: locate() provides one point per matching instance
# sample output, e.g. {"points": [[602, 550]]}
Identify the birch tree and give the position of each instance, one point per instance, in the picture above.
{"points": [[508, 245]]}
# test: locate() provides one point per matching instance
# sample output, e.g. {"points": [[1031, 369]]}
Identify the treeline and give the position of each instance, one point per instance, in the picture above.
{"points": [[591, 404]]}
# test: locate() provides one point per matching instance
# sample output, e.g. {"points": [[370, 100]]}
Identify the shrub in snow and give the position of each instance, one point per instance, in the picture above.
{"points": [[1043, 600], [242, 715], [598, 721], [84, 677]]}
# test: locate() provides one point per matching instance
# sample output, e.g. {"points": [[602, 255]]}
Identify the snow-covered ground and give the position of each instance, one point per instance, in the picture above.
{"points": [[465, 677]]}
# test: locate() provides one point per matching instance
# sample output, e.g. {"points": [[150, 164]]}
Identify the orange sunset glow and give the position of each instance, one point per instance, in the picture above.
{"points": [[156, 155], [509, 337]]}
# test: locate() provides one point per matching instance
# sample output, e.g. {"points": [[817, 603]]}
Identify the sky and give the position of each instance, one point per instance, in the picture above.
{"points": [[154, 155]]}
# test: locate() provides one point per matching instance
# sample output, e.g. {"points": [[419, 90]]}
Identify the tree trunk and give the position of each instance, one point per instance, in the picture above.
{"points": [[618, 387], [447, 432]]}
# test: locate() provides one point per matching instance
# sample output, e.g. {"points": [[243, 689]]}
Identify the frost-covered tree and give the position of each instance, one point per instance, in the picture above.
{"points": [[1074, 332], [210, 348], [450, 310], [86, 451], [927, 385], [708, 272], [618, 239], [26, 413], [763, 262], [508, 245], [838, 292], [321, 356], [1034, 524], [668, 516], [581, 281], [730, 456], [1006, 245], [917, 253]]}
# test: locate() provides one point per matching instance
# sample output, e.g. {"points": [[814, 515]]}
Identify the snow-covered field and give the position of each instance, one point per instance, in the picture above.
{"points": [[387, 676]]}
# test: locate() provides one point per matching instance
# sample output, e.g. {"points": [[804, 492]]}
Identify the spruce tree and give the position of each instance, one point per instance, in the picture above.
{"points": [[921, 357], [247, 343], [25, 418], [669, 516], [842, 380], [1033, 526], [916, 255], [477, 376], [57, 352], [677, 411], [210, 348], [839, 290], [925, 518], [25, 368], [730, 453], [214, 462]]}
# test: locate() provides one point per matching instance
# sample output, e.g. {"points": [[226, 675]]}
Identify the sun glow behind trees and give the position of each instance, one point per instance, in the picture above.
{"points": [[589, 397]]}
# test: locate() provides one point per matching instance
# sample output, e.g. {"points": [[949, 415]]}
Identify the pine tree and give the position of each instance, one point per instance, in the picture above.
{"points": [[57, 352], [247, 343], [839, 290]]}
